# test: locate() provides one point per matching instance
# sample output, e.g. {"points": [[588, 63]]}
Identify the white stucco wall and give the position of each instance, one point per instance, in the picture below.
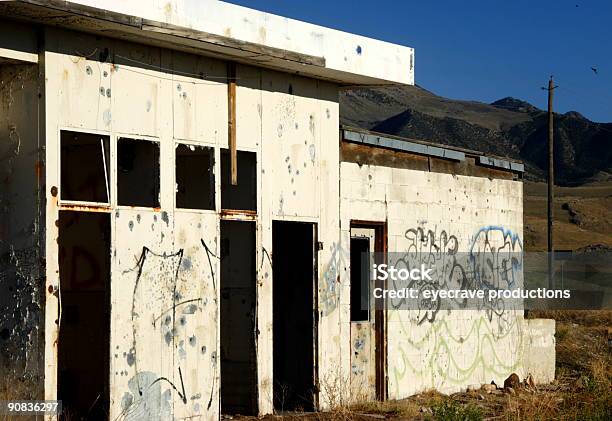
{"points": [[442, 350]]}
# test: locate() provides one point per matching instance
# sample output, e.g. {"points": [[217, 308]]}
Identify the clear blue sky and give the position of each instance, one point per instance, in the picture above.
{"points": [[486, 50]]}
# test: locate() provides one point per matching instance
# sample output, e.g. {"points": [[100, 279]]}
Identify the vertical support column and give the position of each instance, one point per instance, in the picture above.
{"points": [[231, 120]]}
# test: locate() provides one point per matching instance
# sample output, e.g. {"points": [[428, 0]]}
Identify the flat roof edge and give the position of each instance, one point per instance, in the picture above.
{"points": [[228, 30]]}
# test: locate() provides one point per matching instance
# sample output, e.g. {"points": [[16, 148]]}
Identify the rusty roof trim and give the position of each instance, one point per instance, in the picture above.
{"points": [[421, 147], [404, 145]]}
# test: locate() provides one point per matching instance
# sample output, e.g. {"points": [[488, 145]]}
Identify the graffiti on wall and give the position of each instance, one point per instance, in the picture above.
{"points": [[329, 290], [166, 319], [434, 347], [493, 260]]}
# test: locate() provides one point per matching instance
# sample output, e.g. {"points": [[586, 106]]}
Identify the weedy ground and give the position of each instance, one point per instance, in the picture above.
{"points": [[582, 389]]}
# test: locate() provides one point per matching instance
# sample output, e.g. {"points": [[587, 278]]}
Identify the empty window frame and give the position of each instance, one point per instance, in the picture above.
{"points": [[84, 167], [137, 172], [242, 196], [195, 178]]}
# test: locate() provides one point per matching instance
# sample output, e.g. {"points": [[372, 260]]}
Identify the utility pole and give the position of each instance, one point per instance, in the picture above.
{"points": [[551, 182]]}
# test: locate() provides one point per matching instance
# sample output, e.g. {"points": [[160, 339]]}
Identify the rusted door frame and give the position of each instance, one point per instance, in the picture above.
{"points": [[315, 313], [380, 316]]}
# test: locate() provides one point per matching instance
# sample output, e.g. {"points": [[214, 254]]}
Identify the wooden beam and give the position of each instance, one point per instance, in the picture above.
{"points": [[231, 120], [15, 56]]}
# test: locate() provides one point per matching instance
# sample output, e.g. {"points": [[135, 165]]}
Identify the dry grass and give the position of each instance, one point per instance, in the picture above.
{"points": [[591, 318], [591, 201], [393, 408]]}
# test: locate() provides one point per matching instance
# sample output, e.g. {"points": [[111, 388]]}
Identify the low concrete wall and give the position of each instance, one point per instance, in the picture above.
{"points": [[539, 360]]}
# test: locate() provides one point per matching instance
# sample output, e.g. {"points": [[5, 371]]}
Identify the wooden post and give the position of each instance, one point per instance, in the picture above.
{"points": [[231, 120], [551, 183]]}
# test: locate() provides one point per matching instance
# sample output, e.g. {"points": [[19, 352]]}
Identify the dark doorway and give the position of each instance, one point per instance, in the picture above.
{"points": [[294, 315], [238, 307], [360, 277], [84, 332]]}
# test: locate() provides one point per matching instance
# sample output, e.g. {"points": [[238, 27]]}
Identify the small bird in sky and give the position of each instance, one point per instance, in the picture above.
{"points": [[594, 70]]}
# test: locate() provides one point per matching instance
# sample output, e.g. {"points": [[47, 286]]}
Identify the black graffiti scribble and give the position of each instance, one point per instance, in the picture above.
{"points": [[141, 261], [179, 304], [487, 265], [210, 254], [182, 395], [265, 254], [212, 272]]}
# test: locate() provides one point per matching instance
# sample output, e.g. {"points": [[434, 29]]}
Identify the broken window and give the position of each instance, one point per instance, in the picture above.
{"points": [[244, 195], [137, 172], [195, 179], [84, 167]]}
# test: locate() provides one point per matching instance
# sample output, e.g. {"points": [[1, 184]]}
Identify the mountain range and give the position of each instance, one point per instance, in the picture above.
{"points": [[507, 127]]}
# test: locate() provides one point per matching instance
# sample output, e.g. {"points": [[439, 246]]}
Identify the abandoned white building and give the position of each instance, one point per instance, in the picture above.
{"points": [[179, 208]]}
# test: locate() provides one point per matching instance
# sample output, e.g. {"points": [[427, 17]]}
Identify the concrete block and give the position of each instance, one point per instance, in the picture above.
{"points": [[539, 354], [396, 192], [401, 176]]}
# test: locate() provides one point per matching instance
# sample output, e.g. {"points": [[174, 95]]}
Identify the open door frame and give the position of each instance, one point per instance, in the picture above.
{"points": [[380, 316], [314, 311]]}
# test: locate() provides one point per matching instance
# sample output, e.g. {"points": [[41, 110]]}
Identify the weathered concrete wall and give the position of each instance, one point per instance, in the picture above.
{"points": [[21, 283], [289, 121], [432, 211], [299, 182]]}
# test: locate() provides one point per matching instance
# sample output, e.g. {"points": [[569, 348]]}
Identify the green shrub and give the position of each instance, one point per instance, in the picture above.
{"points": [[450, 410]]}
